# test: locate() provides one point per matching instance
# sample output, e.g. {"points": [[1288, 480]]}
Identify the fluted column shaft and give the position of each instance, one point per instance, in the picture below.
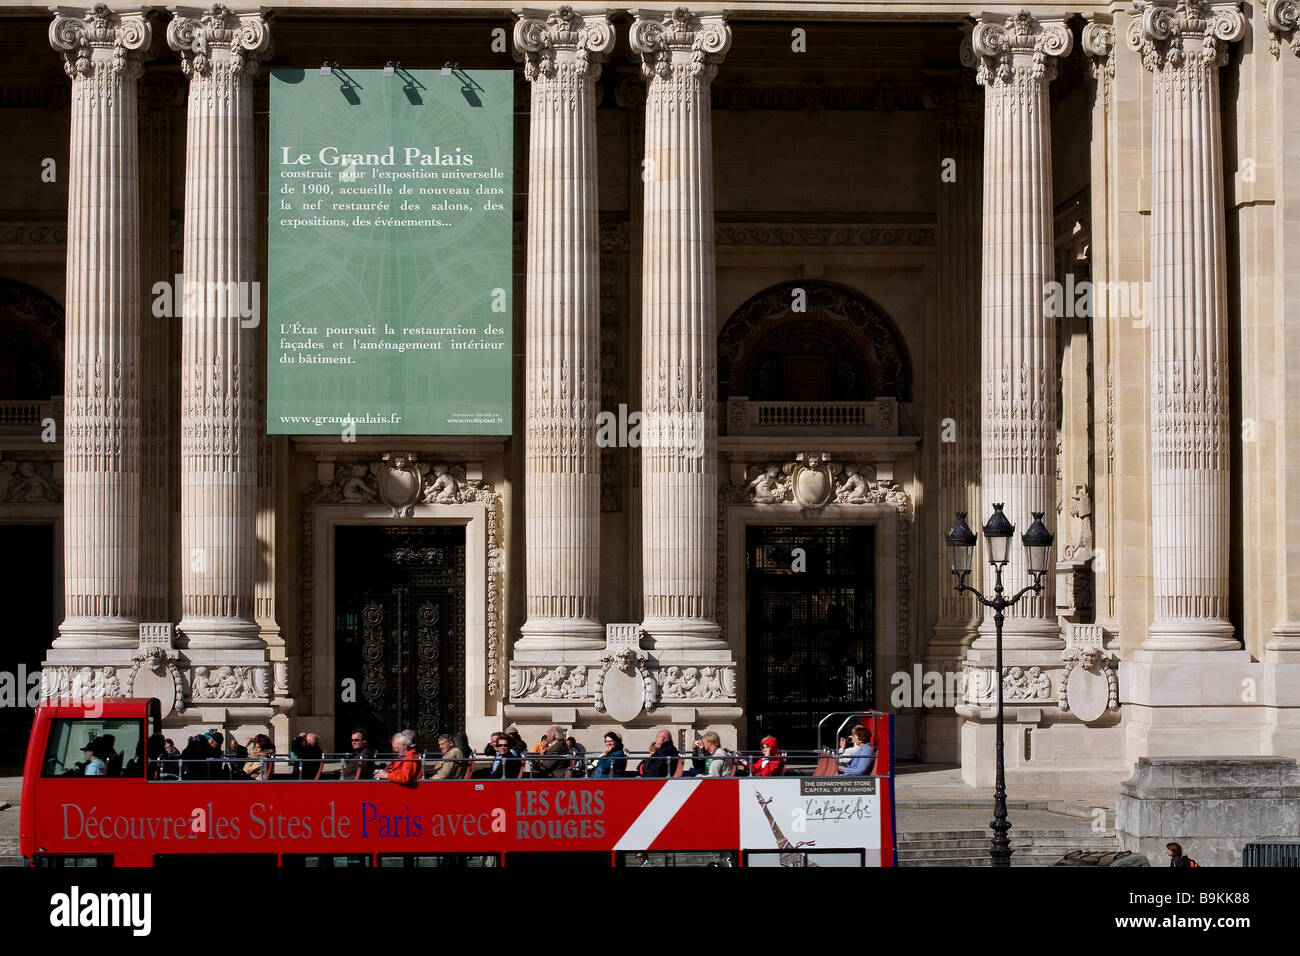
{"points": [[220, 52], [101, 428], [1016, 62], [1183, 43], [960, 138], [563, 53], [680, 55]]}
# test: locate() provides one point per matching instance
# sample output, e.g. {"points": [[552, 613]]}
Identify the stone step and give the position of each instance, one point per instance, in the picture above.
{"points": [[965, 849], [929, 836]]}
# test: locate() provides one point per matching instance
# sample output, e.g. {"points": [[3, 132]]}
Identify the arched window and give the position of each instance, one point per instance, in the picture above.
{"points": [[839, 347], [31, 343]]}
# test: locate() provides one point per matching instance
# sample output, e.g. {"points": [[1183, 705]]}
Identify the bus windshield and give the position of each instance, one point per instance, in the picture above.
{"points": [[82, 747]]}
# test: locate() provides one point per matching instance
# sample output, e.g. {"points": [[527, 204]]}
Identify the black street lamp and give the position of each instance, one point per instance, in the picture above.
{"points": [[1037, 542]]}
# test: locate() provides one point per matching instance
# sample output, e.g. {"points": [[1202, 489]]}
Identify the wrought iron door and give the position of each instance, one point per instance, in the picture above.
{"points": [[399, 635], [810, 628]]}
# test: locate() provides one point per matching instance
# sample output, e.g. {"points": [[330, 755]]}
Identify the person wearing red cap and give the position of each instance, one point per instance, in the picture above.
{"points": [[771, 764]]}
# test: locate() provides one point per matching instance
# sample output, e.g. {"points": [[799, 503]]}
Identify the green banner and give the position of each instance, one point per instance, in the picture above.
{"points": [[389, 252]]}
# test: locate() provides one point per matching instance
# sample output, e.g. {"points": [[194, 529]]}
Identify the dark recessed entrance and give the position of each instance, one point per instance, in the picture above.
{"points": [[399, 631], [810, 633], [27, 595]]}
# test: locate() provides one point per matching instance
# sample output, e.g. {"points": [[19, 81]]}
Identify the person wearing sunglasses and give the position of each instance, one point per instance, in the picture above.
{"points": [[360, 763]]}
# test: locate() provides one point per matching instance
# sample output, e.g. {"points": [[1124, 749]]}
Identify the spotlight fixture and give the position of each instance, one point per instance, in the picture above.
{"points": [[391, 67], [447, 68], [328, 67]]}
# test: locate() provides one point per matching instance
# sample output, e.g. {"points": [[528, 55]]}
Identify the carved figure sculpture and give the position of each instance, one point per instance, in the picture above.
{"points": [[768, 487], [355, 488], [854, 488], [444, 488]]}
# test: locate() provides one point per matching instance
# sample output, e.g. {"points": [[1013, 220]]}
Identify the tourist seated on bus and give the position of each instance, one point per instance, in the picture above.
{"points": [[721, 762], [663, 758], [307, 754], [407, 767], [260, 752], [194, 758], [771, 764], [360, 763], [613, 762], [577, 757], [557, 750], [157, 749], [864, 756], [450, 767], [506, 761]]}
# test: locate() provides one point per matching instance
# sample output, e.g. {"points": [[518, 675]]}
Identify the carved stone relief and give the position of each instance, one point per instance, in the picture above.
{"points": [[30, 482]]}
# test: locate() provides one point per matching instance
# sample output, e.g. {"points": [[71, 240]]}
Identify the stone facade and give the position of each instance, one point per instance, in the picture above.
{"points": [[934, 212]]}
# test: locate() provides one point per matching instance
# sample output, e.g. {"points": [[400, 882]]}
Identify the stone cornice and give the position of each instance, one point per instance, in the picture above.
{"points": [[562, 37], [97, 40], [219, 40], [679, 42], [1018, 49], [1283, 18], [1178, 33]]}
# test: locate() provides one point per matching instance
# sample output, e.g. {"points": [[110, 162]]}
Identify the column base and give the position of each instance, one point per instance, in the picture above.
{"points": [[221, 633], [561, 634], [1285, 641], [1021, 636], [1191, 635], [682, 634], [1213, 806], [98, 632]]}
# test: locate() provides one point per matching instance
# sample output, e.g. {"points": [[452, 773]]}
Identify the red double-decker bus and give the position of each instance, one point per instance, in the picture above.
{"points": [[124, 815]]}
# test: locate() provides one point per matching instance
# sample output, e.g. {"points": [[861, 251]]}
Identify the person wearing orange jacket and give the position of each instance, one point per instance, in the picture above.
{"points": [[407, 768], [771, 764]]}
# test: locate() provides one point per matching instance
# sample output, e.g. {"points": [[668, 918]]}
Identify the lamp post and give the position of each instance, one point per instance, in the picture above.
{"points": [[1037, 542]]}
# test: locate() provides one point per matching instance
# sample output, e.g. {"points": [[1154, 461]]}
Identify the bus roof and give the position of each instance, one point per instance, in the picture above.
{"points": [[105, 707]]}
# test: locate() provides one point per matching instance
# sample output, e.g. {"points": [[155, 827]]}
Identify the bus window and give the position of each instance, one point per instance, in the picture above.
{"points": [[215, 861], [686, 858], [560, 860], [453, 860], [343, 861], [796, 858], [80, 747], [57, 860]]}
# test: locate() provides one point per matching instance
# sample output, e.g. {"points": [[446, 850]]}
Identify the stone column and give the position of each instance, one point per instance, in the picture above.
{"points": [[1283, 17], [956, 409], [220, 52], [1183, 43], [101, 439], [1015, 61], [562, 59], [680, 53]]}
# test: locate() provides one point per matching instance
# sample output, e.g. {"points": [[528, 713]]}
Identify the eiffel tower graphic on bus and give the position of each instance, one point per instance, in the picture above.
{"points": [[788, 857]]}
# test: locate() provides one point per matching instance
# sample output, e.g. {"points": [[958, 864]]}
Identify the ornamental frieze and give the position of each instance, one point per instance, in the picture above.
{"points": [[649, 683]]}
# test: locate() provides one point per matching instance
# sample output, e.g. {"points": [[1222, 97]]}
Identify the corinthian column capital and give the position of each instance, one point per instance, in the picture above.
{"points": [[218, 40], [1098, 44], [1283, 18], [1178, 33], [98, 40], [563, 39], [1020, 48], [680, 43]]}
